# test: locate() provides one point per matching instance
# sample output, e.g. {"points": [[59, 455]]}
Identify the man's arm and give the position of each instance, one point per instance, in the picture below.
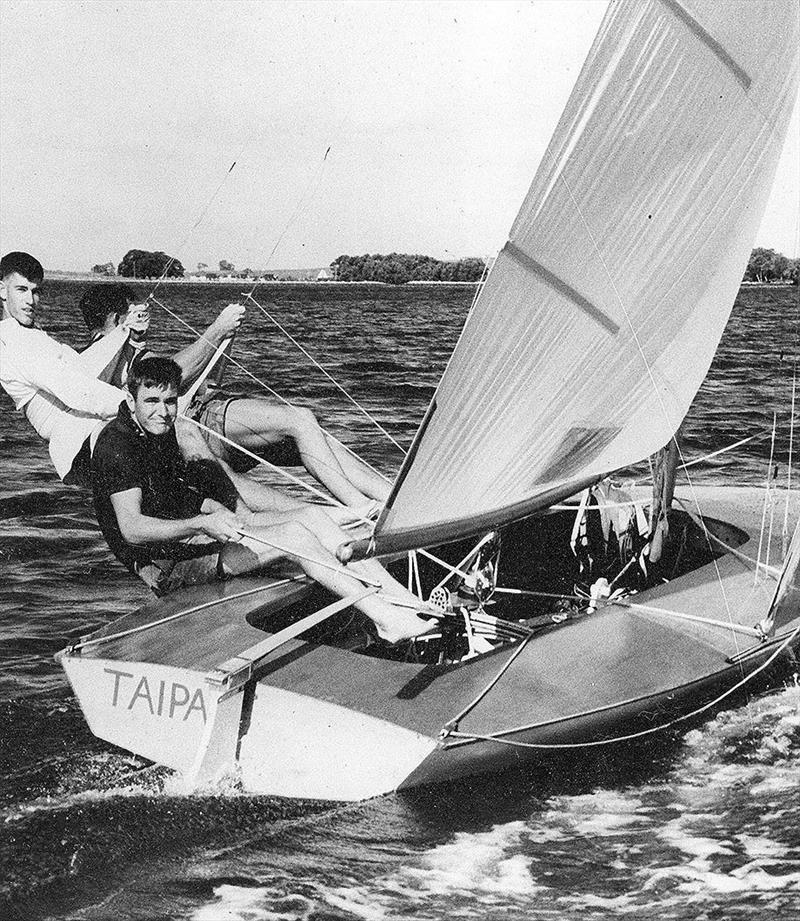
{"points": [[55, 369], [104, 353], [136, 528], [109, 357], [195, 357]]}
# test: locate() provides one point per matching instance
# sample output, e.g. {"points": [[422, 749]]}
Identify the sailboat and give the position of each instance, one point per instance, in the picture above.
{"points": [[580, 357]]}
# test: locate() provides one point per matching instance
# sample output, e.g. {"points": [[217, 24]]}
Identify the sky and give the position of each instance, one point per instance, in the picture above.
{"points": [[355, 127]]}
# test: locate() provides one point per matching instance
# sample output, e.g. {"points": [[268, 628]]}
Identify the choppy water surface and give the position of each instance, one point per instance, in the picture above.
{"points": [[705, 828]]}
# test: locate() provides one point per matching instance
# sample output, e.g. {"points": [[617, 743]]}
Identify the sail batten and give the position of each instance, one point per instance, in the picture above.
{"points": [[714, 46], [600, 317], [528, 262]]}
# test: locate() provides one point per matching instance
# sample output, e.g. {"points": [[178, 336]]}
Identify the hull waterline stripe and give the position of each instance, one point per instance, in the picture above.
{"points": [[709, 41], [557, 284]]}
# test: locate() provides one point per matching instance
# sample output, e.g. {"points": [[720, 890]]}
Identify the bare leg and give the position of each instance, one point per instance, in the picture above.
{"points": [[392, 622], [328, 534], [191, 443], [258, 496], [363, 477], [254, 423], [262, 498]]}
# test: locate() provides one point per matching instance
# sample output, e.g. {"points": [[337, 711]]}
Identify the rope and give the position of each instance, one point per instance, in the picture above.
{"points": [[203, 213], [698, 460], [707, 457], [417, 582], [785, 534], [309, 559], [458, 568], [785, 531], [709, 621], [475, 737], [698, 520], [308, 194], [283, 472], [647, 366], [336, 384], [257, 380], [564, 507], [185, 399], [471, 706]]}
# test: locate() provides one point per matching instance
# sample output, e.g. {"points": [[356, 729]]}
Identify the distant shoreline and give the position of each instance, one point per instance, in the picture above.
{"points": [[85, 277]]}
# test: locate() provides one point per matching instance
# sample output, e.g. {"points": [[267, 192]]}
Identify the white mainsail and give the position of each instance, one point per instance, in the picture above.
{"points": [[601, 315]]}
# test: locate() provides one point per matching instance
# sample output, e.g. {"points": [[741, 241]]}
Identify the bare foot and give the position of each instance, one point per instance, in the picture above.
{"points": [[405, 625], [344, 553]]}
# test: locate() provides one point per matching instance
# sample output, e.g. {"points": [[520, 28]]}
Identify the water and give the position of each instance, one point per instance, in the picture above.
{"points": [[702, 828]]}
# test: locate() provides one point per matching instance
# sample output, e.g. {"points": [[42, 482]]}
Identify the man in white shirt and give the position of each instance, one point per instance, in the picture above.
{"points": [[64, 394], [59, 391]]}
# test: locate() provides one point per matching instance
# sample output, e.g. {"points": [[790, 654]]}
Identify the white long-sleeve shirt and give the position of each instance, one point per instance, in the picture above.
{"points": [[58, 389]]}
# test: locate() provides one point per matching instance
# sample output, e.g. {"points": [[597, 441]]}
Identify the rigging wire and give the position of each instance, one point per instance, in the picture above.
{"points": [[767, 496], [258, 381], [203, 212], [785, 530], [306, 195], [329, 500], [309, 194], [450, 730], [314, 361], [650, 373]]}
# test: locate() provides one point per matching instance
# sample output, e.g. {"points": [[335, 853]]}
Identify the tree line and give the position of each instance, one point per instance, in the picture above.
{"points": [[399, 268], [764, 265]]}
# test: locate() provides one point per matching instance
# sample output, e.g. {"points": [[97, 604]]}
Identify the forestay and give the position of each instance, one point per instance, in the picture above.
{"points": [[602, 313]]}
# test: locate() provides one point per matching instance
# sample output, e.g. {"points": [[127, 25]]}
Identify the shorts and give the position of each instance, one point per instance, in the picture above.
{"points": [[80, 473], [212, 409], [222, 561]]}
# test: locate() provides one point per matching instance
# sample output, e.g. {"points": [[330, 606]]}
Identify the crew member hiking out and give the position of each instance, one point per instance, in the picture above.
{"points": [[283, 435], [62, 393], [175, 523]]}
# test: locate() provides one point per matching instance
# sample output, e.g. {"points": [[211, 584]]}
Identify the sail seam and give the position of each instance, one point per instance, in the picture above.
{"points": [[709, 41], [558, 284]]}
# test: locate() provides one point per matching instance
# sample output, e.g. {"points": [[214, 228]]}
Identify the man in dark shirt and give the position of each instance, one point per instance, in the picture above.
{"points": [[176, 524]]}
